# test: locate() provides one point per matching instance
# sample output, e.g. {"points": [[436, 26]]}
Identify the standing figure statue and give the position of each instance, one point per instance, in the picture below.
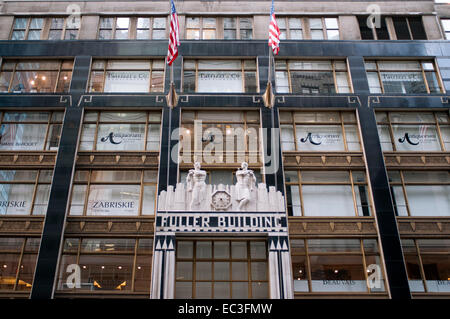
{"points": [[245, 184], [195, 181]]}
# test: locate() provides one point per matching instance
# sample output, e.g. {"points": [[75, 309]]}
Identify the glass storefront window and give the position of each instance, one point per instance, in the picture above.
{"points": [[420, 193], [336, 265], [226, 137], [319, 131], [30, 131], [127, 76], [24, 192], [113, 193], [35, 76], [404, 77], [17, 262], [221, 76], [414, 131], [427, 264], [221, 269], [121, 131], [311, 77], [119, 265], [346, 192]]}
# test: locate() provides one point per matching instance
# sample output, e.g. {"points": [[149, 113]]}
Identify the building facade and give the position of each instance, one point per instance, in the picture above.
{"points": [[347, 190]]}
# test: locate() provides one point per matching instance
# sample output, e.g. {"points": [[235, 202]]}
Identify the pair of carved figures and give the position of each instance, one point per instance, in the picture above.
{"points": [[195, 181]]}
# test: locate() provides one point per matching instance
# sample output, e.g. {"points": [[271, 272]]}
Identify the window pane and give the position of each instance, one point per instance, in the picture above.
{"points": [[26, 273], [21, 23], [430, 200], [105, 34], [337, 273], [143, 23], [238, 250], [209, 22], [113, 200], [320, 138], [339, 200], [204, 249], [102, 272], [127, 81], [159, 23], [315, 23], [34, 35], [121, 137], [121, 34], [403, 82], [15, 199], [158, 34], [312, 82], [36, 23], [229, 34], [142, 34], [331, 23], [374, 82], [41, 200], [26, 137], [149, 200], [416, 138], [300, 273], [18, 35]]}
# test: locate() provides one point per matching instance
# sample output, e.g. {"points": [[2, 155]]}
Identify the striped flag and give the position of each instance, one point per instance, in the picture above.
{"points": [[174, 39], [274, 31]]}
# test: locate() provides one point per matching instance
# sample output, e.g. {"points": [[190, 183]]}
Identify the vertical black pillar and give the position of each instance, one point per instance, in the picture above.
{"points": [[168, 157], [385, 215], [55, 219]]}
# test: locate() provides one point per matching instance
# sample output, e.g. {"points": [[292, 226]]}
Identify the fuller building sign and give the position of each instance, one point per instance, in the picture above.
{"points": [[197, 209]]}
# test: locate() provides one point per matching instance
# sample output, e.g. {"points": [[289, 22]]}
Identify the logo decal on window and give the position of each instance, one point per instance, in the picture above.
{"points": [[407, 139], [110, 137], [309, 137]]}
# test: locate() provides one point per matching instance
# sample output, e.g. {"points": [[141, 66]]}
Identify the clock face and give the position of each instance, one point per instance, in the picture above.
{"points": [[221, 200]]}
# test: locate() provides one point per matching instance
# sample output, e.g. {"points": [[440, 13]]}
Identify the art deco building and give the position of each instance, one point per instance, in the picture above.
{"points": [[351, 197]]}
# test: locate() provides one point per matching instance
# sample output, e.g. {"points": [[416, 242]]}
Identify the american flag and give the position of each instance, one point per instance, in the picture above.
{"points": [[274, 31], [174, 39]]}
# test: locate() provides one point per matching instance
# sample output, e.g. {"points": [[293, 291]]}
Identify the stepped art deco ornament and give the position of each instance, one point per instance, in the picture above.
{"points": [[244, 196]]}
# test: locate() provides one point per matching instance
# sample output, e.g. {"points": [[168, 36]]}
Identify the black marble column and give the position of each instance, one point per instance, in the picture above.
{"points": [[397, 277], [52, 236]]}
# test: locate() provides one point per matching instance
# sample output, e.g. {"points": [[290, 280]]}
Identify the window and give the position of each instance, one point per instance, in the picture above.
{"points": [[405, 28], [33, 28], [30, 131], [428, 264], [404, 77], [336, 265], [226, 137], [18, 260], [409, 28], [24, 192], [114, 28], [420, 193], [324, 28], [311, 77], [63, 29], [446, 28], [346, 193], [121, 131], [222, 76], [319, 131], [136, 76], [201, 28], [379, 32], [113, 193], [117, 265], [26, 28], [151, 28], [221, 269], [290, 28], [35, 76], [237, 28], [414, 131]]}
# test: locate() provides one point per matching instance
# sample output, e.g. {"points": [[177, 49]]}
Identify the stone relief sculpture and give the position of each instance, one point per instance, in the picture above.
{"points": [[195, 182], [245, 184], [245, 195]]}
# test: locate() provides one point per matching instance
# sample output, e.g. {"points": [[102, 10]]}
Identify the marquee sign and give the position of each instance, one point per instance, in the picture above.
{"points": [[220, 222]]}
